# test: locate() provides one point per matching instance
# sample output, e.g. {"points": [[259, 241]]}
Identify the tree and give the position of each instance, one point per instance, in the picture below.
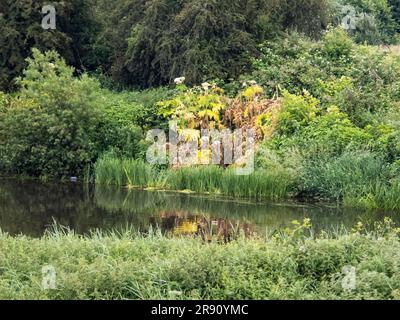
{"points": [[21, 30], [200, 39], [395, 5], [48, 129]]}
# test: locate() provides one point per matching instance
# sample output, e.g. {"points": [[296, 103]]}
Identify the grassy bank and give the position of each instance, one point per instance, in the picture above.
{"points": [[260, 185], [355, 180], [288, 266]]}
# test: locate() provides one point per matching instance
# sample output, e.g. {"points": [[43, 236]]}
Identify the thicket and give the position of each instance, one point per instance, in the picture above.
{"points": [[20, 27], [337, 129], [149, 43], [58, 124]]}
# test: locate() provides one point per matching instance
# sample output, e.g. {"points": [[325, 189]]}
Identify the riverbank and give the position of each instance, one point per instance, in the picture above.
{"points": [[290, 265], [261, 185], [355, 181]]}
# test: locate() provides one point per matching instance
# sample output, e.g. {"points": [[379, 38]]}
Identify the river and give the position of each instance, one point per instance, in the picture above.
{"points": [[30, 207]]}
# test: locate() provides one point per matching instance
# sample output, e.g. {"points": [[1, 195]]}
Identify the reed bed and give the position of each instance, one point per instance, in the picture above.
{"points": [[260, 185]]}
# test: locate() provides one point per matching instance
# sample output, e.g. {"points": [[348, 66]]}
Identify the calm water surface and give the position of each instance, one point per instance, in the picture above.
{"points": [[30, 207]]}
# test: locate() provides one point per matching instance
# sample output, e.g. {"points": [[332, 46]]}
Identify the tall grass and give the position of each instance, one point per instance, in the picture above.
{"points": [[128, 265], [127, 172], [358, 179], [260, 185]]}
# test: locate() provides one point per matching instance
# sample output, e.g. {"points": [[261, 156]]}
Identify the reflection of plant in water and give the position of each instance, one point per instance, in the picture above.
{"points": [[298, 229], [208, 228], [186, 227]]}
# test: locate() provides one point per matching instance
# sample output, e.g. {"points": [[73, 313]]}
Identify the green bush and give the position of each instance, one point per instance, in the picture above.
{"points": [[362, 81], [58, 124], [337, 44], [297, 113], [48, 128], [334, 132]]}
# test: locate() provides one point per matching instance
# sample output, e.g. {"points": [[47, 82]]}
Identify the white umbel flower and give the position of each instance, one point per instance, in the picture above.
{"points": [[180, 80], [205, 86]]}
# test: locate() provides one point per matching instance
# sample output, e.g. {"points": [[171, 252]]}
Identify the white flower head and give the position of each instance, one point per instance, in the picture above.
{"points": [[205, 86], [252, 82], [180, 80]]}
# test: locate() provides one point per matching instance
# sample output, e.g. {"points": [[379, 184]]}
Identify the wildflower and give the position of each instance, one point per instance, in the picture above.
{"points": [[302, 249], [252, 82], [205, 86], [358, 227], [295, 222], [180, 80], [307, 223]]}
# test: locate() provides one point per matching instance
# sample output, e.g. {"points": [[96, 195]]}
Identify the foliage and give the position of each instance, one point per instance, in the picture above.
{"points": [[161, 40], [47, 130], [337, 44], [250, 110], [260, 185], [375, 20], [360, 80], [20, 27], [297, 112], [59, 124], [290, 265], [333, 132], [195, 108]]}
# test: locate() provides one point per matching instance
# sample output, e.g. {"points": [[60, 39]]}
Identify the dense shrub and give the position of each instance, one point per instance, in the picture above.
{"points": [[161, 40], [20, 27], [48, 128], [297, 112], [360, 80], [58, 124]]}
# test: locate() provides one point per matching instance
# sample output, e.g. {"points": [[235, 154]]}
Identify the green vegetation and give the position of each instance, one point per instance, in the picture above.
{"points": [[324, 107], [290, 265], [149, 43], [260, 185], [57, 125], [330, 131], [323, 101], [332, 134]]}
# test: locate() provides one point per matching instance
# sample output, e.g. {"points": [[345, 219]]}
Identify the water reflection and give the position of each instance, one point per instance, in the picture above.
{"points": [[29, 207]]}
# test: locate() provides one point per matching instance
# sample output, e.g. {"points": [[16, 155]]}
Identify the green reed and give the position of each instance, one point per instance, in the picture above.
{"points": [[212, 179]]}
